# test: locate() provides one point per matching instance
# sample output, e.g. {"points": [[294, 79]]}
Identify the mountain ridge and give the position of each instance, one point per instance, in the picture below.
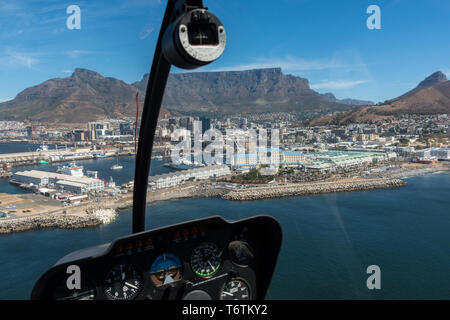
{"points": [[348, 101], [86, 96], [431, 96]]}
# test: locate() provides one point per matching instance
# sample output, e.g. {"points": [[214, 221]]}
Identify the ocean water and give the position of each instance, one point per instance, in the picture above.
{"points": [[328, 240]]}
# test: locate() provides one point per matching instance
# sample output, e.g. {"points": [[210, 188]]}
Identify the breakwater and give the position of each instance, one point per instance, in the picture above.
{"points": [[92, 215], [311, 189], [59, 221]]}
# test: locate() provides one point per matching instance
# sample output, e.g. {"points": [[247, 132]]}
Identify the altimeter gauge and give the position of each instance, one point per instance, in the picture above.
{"points": [[123, 283], [235, 289]]}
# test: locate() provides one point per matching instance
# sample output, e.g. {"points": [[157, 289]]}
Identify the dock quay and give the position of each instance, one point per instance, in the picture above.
{"points": [[53, 156]]}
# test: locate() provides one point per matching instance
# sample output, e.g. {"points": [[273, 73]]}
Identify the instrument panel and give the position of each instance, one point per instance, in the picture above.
{"points": [[207, 259]]}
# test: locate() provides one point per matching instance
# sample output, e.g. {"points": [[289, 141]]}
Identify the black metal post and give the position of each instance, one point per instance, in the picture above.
{"points": [[150, 113]]}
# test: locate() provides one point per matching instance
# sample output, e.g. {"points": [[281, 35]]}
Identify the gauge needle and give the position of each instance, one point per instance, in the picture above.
{"points": [[131, 286], [211, 264], [227, 293]]}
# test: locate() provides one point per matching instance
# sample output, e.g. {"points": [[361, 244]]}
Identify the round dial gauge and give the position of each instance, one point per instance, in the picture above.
{"points": [[123, 283], [235, 290], [206, 260], [165, 269]]}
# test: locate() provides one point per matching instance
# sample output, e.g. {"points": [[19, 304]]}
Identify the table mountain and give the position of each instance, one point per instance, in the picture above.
{"points": [[246, 92], [87, 96]]}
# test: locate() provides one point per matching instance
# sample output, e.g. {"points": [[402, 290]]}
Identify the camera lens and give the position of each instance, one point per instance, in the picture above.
{"points": [[203, 34]]}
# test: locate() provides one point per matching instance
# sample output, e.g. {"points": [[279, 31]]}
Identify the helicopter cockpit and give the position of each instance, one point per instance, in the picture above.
{"points": [[206, 259]]}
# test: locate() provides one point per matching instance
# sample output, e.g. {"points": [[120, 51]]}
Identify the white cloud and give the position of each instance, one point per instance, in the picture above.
{"points": [[342, 84], [447, 73], [13, 58], [78, 53]]}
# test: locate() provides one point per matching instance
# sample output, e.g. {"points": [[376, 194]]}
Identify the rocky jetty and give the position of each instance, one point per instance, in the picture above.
{"points": [[58, 220], [310, 189], [106, 216]]}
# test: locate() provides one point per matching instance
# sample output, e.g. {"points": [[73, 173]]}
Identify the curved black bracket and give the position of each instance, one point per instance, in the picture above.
{"points": [[152, 104]]}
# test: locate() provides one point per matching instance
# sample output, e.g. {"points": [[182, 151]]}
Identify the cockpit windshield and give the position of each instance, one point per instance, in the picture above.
{"points": [[224, 150]]}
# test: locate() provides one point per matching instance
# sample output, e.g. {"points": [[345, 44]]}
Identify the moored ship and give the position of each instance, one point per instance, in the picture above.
{"points": [[72, 170]]}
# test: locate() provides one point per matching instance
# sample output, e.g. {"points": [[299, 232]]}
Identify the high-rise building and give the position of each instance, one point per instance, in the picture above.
{"points": [[126, 129], [29, 131], [206, 124]]}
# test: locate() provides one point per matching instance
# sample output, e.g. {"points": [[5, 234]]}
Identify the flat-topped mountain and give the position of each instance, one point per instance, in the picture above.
{"points": [[86, 95], [246, 92]]}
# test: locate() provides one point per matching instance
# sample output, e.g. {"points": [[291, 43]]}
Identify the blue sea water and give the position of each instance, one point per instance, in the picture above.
{"points": [[328, 240]]}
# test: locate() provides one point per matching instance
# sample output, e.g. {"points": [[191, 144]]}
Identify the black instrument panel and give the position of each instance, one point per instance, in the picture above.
{"points": [[197, 260]]}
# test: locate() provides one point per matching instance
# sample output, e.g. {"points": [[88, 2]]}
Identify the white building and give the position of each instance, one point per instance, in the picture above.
{"points": [[62, 181], [434, 153], [176, 178]]}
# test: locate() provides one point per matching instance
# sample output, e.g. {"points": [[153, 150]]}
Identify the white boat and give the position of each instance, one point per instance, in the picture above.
{"points": [[185, 165], [42, 148], [72, 170], [117, 166]]}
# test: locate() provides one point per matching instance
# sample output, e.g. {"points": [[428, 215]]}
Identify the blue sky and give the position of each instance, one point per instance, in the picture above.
{"points": [[325, 41]]}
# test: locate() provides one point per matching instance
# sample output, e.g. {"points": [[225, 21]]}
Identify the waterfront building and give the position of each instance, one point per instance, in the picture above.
{"points": [[61, 181], [436, 153], [292, 158], [268, 156], [173, 179], [333, 159], [244, 160]]}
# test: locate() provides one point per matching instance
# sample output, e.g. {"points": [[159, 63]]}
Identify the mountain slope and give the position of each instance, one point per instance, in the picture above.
{"points": [[252, 91], [351, 102], [431, 96], [87, 96]]}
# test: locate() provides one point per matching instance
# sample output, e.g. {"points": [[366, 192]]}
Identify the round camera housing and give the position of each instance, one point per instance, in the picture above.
{"points": [[195, 39]]}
